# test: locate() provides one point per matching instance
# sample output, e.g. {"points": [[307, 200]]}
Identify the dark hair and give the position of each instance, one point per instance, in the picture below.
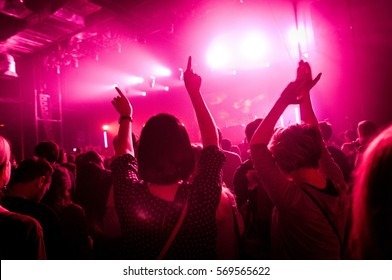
{"points": [[251, 128], [48, 150], [58, 196], [91, 156], [296, 146], [30, 169], [326, 130], [165, 154], [226, 144], [351, 134], [367, 129]]}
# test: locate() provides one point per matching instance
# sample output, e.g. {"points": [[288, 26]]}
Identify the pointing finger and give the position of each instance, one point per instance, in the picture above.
{"points": [[119, 92], [315, 81], [189, 66]]}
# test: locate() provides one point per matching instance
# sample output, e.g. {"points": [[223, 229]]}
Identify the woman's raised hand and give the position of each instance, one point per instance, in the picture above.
{"points": [[192, 80], [122, 104]]}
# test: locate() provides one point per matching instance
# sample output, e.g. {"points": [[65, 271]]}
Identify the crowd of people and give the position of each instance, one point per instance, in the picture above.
{"points": [[284, 193]]}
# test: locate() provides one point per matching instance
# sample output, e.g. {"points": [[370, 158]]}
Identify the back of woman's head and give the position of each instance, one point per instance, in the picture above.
{"points": [[296, 146], [58, 194], [165, 154], [372, 205]]}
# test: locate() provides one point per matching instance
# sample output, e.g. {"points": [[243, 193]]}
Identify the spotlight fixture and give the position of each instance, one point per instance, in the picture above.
{"points": [[7, 66]]}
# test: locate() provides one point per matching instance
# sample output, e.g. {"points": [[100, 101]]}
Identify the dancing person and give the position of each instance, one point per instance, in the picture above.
{"points": [[303, 182]]}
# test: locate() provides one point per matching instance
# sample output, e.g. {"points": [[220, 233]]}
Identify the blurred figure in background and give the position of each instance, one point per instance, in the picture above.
{"points": [[338, 156]]}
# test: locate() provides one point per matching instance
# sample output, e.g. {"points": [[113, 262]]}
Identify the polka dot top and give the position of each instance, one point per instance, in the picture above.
{"points": [[147, 221]]}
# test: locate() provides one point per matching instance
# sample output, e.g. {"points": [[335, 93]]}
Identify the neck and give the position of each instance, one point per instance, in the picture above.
{"points": [[165, 192], [310, 176]]}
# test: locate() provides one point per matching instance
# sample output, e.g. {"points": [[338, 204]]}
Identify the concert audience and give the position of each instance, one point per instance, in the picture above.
{"points": [[21, 236], [165, 198]]}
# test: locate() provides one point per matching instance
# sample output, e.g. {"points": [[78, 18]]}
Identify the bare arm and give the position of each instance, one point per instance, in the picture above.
{"points": [[327, 165], [290, 95], [204, 118], [124, 141], [304, 74]]}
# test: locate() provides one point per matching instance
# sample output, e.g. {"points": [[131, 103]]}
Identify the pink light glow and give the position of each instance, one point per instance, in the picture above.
{"points": [[253, 46], [218, 55], [134, 80], [160, 71]]}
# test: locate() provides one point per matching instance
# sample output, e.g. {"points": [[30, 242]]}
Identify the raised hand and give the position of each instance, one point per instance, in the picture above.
{"points": [[192, 80], [294, 92], [122, 104], [304, 74]]}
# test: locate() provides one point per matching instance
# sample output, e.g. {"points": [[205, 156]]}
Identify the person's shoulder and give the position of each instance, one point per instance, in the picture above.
{"points": [[232, 156], [20, 222], [74, 209]]}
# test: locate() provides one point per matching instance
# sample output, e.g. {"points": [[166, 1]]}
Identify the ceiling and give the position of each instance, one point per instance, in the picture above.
{"points": [[30, 26]]}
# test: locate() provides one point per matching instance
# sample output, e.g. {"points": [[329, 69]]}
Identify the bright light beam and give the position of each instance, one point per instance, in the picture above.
{"points": [[217, 56], [160, 71], [253, 46]]}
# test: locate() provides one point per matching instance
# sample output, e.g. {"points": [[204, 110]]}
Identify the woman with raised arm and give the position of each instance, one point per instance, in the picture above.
{"points": [[305, 185], [161, 214]]}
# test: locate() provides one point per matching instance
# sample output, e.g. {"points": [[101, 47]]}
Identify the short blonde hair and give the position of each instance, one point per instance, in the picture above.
{"points": [[5, 151], [296, 146]]}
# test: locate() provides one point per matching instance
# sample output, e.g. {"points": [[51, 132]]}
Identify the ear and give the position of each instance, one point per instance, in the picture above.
{"points": [[40, 182]]}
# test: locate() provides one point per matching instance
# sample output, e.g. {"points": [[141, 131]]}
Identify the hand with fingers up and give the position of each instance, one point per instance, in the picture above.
{"points": [[122, 104], [191, 79], [206, 122], [124, 140]]}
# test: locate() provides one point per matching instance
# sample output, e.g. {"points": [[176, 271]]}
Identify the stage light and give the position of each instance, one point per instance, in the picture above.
{"points": [[160, 71], [105, 135], [152, 81], [253, 46], [7, 66], [181, 73], [167, 88], [144, 93], [217, 56], [297, 36], [134, 80]]}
